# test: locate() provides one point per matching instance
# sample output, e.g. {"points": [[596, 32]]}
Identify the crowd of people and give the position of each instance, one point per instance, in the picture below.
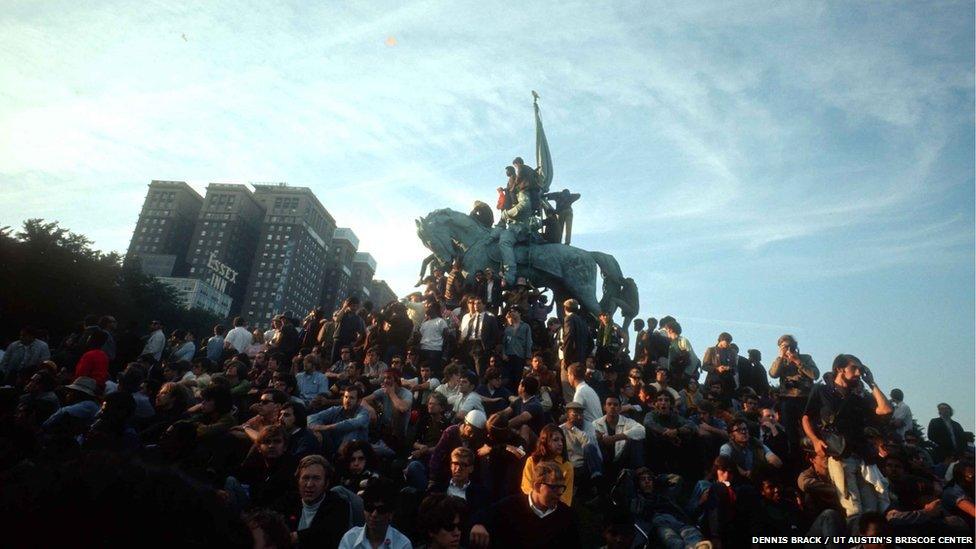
{"points": [[460, 416]]}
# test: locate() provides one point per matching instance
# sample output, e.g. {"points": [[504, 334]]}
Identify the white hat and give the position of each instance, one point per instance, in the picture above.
{"points": [[88, 386], [476, 418]]}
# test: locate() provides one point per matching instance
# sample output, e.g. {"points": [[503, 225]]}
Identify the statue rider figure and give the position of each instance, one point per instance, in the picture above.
{"points": [[517, 229]]}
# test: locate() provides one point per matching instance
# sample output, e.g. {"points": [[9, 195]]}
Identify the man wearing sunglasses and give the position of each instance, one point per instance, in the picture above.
{"points": [[539, 520], [746, 451], [379, 498]]}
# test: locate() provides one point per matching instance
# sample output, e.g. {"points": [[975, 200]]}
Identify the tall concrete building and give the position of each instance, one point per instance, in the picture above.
{"points": [[338, 268], [222, 247], [380, 293], [363, 269], [286, 272], [162, 234]]}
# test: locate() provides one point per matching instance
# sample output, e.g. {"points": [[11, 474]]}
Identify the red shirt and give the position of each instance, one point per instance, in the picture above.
{"points": [[93, 364]]}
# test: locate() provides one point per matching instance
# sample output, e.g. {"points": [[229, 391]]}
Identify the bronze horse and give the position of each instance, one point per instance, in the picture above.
{"points": [[569, 271]]}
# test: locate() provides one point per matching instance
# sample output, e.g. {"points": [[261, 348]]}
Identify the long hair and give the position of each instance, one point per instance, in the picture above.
{"points": [[542, 452]]}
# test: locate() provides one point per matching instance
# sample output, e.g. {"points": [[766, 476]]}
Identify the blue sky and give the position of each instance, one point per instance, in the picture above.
{"points": [[757, 167]]}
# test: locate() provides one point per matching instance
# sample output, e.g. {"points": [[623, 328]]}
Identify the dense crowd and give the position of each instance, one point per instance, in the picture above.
{"points": [[459, 416]]}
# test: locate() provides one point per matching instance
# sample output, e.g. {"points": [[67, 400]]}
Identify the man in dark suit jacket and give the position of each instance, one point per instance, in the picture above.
{"points": [[536, 520], [319, 517], [657, 343], [947, 434], [479, 335], [490, 291], [576, 334]]}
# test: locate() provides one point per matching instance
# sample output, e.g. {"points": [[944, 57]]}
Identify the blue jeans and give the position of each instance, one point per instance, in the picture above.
{"points": [[671, 532]]}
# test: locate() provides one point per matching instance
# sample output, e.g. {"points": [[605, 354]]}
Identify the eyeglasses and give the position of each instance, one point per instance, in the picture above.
{"points": [[451, 526], [375, 508], [556, 487]]}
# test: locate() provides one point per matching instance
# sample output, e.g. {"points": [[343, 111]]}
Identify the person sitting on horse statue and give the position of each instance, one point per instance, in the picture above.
{"points": [[517, 229]]}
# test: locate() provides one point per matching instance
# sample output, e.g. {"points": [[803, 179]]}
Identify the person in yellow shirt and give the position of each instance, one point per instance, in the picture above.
{"points": [[550, 447]]}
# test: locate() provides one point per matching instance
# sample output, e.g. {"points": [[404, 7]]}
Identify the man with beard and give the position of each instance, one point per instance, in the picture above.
{"points": [[834, 419], [470, 434]]}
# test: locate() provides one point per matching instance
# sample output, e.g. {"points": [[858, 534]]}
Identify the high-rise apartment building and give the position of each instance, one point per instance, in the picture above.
{"points": [[363, 269], [165, 226], [338, 268], [380, 293], [287, 269], [222, 248]]}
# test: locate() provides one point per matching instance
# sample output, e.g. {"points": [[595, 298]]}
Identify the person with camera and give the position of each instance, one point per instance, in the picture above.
{"points": [[796, 373], [836, 415]]}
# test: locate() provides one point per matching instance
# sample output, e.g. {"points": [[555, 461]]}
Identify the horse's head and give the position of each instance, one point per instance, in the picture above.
{"points": [[436, 235]]}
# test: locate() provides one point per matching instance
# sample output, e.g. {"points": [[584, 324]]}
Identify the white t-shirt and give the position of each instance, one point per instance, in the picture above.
{"points": [[464, 404], [432, 334], [904, 413], [239, 338], [586, 396]]}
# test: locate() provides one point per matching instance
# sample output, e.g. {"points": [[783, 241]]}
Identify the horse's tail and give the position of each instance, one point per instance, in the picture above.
{"points": [[609, 267], [617, 290]]}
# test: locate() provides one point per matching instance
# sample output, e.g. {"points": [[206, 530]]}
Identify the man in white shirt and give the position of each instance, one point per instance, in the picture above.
{"points": [[901, 417], [477, 331], [379, 498], [621, 438], [466, 398], [583, 451], [586, 396], [156, 342], [239, 337]]}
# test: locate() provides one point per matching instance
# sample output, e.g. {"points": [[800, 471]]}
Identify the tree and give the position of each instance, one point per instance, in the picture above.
{"points": [[50, 278]]}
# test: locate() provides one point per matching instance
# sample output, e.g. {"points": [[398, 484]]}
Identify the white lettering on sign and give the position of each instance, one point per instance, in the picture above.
{"points": [[221, 270]]}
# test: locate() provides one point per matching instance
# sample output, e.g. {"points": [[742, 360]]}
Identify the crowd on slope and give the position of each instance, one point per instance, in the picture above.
{"points": [[460, 416]]}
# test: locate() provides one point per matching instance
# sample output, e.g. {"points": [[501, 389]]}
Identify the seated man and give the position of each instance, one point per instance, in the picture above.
{"points": [[712, 431], [422, 386], [537, 520], [621, 439], [311, 382], [470, 434], [466, 399], [266, 412], [319, 517], [778, 516], [373, 367], [657, 513], [334, 373], [379, 500], [494, 395], [526, 415], [583, 451], [268, 469], [748, 454], [301, 441], [338, 424], [441, 521], [462, 485], [672, 441], [394, 403], [213, 414], [431, 426]]}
